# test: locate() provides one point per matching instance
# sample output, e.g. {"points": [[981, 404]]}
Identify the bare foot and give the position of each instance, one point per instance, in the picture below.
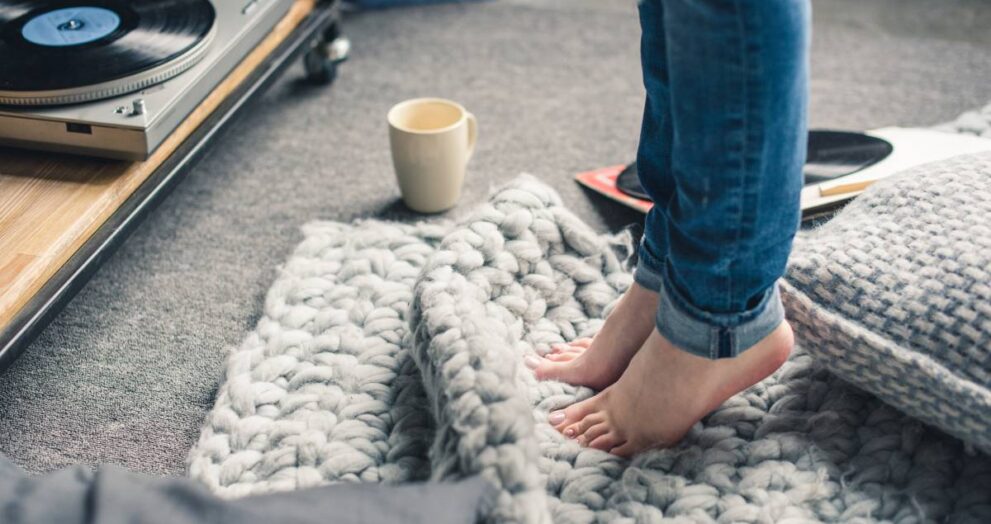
{"points": [[664, 392], [598, 362]]}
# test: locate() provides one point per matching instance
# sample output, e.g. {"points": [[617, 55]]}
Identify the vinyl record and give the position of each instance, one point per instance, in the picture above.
{"points": [[834, 154], [831, 154], [628, 182], [59, 52]]}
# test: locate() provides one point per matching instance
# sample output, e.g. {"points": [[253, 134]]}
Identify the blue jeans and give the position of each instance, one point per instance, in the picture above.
{"points": [[721, 153]]}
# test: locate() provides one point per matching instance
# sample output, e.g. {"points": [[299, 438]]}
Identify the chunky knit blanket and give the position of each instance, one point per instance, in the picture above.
{"points": [[393, 353]]}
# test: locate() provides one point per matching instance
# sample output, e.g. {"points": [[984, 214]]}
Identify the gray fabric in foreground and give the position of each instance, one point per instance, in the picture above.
{"points": [[894, 294], [128, 371], [304, 405], [322, 390], [111, 495]]}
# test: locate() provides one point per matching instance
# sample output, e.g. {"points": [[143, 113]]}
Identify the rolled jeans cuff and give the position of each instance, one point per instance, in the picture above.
{"points": [[708, 335]]}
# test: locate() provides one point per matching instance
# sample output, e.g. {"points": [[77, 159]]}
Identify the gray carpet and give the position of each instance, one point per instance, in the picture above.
{"points": [[127, 372]]}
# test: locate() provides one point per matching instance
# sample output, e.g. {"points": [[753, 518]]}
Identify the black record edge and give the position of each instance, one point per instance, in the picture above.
{"points": [[67, 281], [131, 20], [628, 180]]}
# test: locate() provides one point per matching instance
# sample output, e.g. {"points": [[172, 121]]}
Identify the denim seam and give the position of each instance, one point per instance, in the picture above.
{"points": [[734, 252], [756, 65]]}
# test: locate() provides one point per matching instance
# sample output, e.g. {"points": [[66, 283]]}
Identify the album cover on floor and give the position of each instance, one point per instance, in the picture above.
{"points": [[840, 166]]}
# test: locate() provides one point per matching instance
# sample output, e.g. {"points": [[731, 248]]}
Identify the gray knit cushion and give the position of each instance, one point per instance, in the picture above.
{"points": [[894, 294]]}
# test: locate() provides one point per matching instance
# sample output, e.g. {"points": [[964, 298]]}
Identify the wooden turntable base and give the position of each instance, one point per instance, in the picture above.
{"points": [[53, 207]]}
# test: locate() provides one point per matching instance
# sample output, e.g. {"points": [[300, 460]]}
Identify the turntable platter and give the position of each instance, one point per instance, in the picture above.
{"points": [[63, 52]]}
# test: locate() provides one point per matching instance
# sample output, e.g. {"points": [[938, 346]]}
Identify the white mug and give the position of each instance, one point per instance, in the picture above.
{"points": [[432, 140]]}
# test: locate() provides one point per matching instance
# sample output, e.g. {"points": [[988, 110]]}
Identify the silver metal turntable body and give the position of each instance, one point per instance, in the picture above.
{"points": [[132, 125]]}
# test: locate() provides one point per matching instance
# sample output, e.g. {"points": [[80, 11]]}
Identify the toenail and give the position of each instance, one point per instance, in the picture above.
{"points": [[532, 362], [570, 433], [556, 417]]}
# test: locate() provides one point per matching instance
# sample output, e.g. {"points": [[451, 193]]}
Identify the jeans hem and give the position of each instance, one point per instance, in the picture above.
{"points": [[649, 269], [704, 334]]}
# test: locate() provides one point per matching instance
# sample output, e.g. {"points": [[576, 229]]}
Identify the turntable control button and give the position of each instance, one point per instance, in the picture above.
{"points": [[249, 7], [138, 107]]}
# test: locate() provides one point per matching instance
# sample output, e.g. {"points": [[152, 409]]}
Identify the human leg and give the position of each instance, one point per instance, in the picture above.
{"points": [[599, 362], [738, 82]]}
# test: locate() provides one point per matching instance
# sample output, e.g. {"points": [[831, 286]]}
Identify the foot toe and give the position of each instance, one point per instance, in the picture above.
{"points": [[563, 356], [593, 433], [626, 449], [564, 418], [562, 368], [572, 414], [580, 410], [575, 346], [579, 428], [552, 370], [606, 442]]}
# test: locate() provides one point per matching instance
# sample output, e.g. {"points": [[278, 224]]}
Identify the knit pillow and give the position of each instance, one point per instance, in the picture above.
{"points": [[894, 294]]}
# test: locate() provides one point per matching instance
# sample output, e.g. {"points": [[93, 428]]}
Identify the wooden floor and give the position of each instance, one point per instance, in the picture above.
{"points": [[51, 204]]}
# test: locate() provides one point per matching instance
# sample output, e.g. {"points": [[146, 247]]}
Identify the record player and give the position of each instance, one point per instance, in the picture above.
{"points": [[113, 78], [123, 78]]}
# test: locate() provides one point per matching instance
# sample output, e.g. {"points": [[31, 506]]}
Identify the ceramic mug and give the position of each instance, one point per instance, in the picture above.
{"points": [[432, 140]]}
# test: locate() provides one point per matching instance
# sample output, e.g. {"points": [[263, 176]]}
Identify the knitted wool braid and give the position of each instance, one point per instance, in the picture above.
{"points": [[322, 390], [517, 275]]}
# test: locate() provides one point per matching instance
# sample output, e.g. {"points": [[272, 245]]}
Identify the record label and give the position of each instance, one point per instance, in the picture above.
{"points": [[70, 26]]}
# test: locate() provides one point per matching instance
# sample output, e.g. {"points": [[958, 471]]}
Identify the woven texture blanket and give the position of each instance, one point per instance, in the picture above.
{"points": [[392, 353]]}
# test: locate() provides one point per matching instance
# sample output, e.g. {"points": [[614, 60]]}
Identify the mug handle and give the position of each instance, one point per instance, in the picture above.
{"points": [[472, 134]]}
